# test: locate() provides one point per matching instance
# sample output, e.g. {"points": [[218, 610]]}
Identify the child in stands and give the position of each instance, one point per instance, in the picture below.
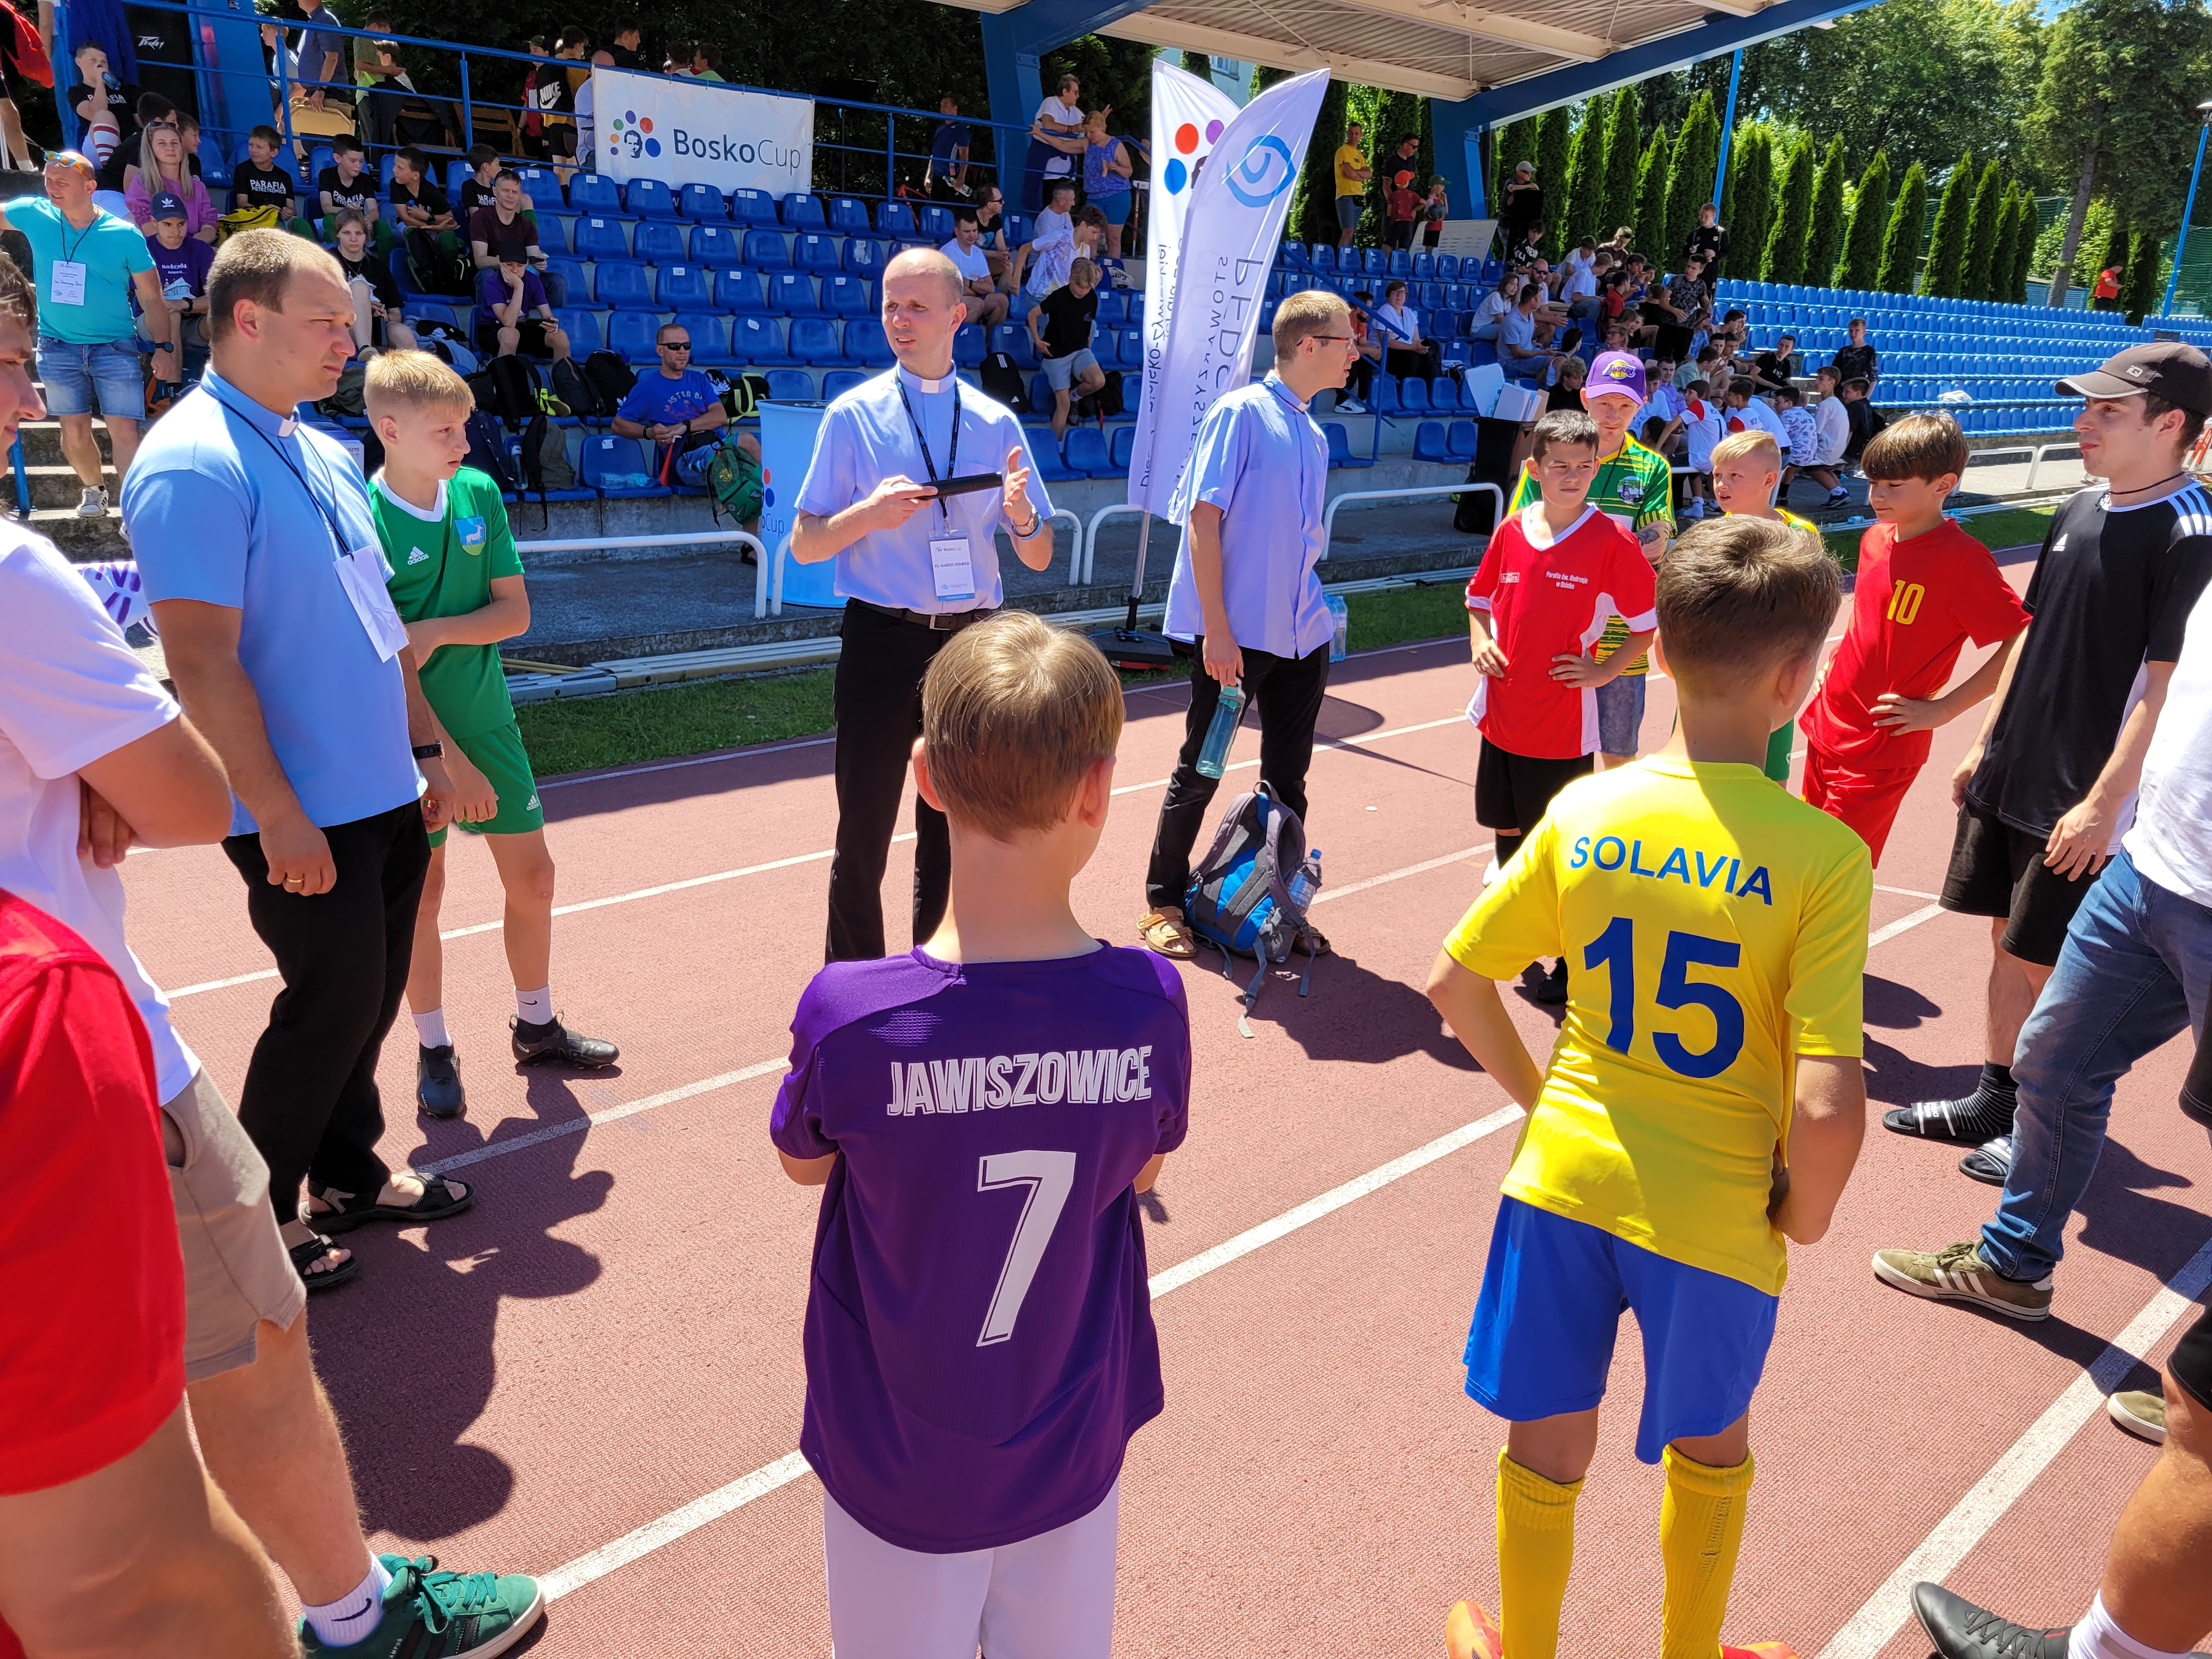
{"points": [[1700, 427], [261, 183], [458, 585], [1704, 1101], [1925, 587], [979, 1336], [1746, 474]]}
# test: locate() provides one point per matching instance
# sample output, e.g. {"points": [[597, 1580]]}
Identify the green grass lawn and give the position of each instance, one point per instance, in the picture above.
{"points": [[634, 727]]}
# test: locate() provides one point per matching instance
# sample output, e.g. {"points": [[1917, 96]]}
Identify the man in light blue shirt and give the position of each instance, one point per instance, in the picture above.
{"points": [[914, 568], [1245, 591]]}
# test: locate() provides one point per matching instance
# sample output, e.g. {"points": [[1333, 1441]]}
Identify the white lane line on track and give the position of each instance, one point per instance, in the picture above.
{"points": [[1906, 892], [1354, 744], [1869, 1630], [1904, 924], [724, 1500]]}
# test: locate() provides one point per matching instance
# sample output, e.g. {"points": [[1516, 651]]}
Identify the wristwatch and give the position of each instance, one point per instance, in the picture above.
{"points": [[166, 346], [429, 751]]}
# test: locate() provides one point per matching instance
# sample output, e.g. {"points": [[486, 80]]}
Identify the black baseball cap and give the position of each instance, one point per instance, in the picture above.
{"points": [[2170, 369]]}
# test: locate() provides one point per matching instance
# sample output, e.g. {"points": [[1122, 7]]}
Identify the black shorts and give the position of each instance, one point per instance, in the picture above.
{"points": [[532, 331], [1512, 791], [2191, 1364], [1998, 871]]}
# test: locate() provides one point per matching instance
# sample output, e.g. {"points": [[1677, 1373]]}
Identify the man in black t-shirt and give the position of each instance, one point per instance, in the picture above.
{"points": [[2049, 783], [1772, 369], [1857, 360], [476, 190], [628, 34], [260, 182], [346, 185], [1708, 240], [1060, 325]]}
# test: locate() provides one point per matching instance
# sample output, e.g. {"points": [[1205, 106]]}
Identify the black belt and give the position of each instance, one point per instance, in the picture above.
{"points": [[946, 622]]}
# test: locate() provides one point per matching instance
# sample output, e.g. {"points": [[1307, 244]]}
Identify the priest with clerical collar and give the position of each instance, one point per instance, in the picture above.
{"points": [[912, 567]]}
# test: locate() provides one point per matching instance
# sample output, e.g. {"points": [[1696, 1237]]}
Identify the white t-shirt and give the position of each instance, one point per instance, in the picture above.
{"points": [[585, 109], [1755, 415], [1058, 164], [1405, 323], [1494, 306], [2172, 839], [971, 264], [71, 690], [1832, 422], [1702, 428], [1581, 283]]}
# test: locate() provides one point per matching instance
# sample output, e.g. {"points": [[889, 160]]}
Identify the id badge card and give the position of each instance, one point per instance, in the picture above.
{"points": [[363, 573], [66, 286], [952, 567]]}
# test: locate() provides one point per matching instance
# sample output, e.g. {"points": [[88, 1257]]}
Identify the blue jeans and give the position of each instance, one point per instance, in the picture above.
{"points": [[74, 374], [2133, 972]]}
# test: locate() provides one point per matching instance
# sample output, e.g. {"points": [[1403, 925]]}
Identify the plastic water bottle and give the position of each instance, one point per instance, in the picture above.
{"points": [[1305, 880], [1338, 609], [1213, 758]]}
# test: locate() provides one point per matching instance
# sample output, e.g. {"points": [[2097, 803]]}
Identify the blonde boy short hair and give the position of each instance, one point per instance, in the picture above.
{"points": [[1013, 712], [397, 381], [1309, 312], [1741, 446], [1738, 595]]}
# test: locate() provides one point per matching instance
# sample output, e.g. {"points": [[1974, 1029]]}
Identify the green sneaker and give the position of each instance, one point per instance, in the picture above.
{"points": [[1957, 1273], [429, 1614]]}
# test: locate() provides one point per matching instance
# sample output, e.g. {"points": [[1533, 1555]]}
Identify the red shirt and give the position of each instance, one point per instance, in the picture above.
{"points": [[1546, 602], [1404, 205], [1916, 604], [92, 1282]]}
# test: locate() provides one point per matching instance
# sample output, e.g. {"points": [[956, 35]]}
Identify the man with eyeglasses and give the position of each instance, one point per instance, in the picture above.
{"points": [[677, 405]]}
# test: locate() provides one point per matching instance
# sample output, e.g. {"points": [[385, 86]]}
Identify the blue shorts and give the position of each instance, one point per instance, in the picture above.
{"points": [[1620, 716], [1114, 205], [1551, 1298], [72, 374]]}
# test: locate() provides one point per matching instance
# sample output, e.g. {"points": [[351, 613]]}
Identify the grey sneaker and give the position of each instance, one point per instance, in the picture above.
{"points": [[2141, 1413], [94, 504], [1957, 1273]]}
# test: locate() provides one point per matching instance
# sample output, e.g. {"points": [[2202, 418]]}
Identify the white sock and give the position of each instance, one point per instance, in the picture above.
{"points": [[535, 1007], [2098, 1636], [430, 1029], [350, 1618]]}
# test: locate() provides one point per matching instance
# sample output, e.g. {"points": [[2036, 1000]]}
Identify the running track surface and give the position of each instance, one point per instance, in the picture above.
{"points": [[553, 1383]]}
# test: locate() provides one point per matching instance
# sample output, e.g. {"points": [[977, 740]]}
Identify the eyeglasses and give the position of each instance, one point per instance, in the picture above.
{"points": [[675, 345], [1328, 337]]}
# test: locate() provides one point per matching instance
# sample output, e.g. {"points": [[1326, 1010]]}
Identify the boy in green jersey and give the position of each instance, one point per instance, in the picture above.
{"points": [[458, 585], [1747, 472]]}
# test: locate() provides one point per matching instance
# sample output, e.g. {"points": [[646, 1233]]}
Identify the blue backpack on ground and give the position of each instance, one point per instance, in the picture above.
{"points": [[1248, 895]]}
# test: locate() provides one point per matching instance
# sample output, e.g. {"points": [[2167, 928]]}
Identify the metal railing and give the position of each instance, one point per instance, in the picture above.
{"points": [[767, 598], [1329, 513]]}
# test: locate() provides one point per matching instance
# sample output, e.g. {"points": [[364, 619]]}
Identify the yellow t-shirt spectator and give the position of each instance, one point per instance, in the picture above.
{"points": [[1349, 157], [1714, 928]]}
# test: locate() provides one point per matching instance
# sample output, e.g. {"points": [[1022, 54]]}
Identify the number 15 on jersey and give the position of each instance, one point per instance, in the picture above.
{"points": [[1614, 949]]}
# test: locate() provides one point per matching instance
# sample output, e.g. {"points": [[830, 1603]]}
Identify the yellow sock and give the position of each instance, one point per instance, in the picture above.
{"points": [[1535, 1552], [1700, 1529]]}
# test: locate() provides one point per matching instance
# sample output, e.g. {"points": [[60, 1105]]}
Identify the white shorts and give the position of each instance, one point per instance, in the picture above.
{"points": [[1046, 1597]]}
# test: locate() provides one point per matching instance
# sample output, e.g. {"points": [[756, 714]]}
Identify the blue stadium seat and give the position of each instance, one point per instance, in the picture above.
{"points": [[598, 238], [813, 251], [740, 291], [684, 288], [757, 343], [543, 186], [603, 455], [1375, 262], [456, 170], [553, 233], [935, 222], [704, 204], [715, 246], [1133, 346], [1424, 267], [848, 216], [968, 346], [1044, 450], [790, 386], [1401, 263], [1123, 446], [895, 219], [582, 328], [864, 257], [1459, 441], [1413, 394], [1113, 307], [1382, 396], [1014, 340], [1085, 452], [1429, 444], [839, 381], [594, 192], [765, 250], [623, 285], [1040, 392], [1017, 228], [710, 335], [814, 341], [629, 336], [804, 212], [659, 242], [846, 296], [422, 310], [648, 199], [1106, 347], [1449, 268], [570, 444], [1323, 257], [1339, 444], [752, 207], [869, 347], [791, 293], [577, 274], [319, 157]]}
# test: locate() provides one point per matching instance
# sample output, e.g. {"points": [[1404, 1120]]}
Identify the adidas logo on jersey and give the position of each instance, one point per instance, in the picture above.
{"points": [[418, 556], [532, 807], [2059, 544]]}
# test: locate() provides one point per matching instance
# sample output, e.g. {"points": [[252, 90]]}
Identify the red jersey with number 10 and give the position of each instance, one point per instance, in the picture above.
{"points": [[1916, 604]]}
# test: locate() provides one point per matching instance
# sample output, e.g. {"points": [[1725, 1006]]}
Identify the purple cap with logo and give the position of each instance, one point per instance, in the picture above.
{"points": [[1617, 373]]}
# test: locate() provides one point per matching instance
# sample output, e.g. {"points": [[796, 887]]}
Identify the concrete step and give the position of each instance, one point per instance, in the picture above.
{"points": [[42, 442], [59, 487], [82, 541]]}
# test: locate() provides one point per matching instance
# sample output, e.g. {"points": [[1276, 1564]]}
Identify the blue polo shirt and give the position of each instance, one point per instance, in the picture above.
{"points": [[866, 437], [1263, 462], [225, 505], [657, 400], [111, 250]]}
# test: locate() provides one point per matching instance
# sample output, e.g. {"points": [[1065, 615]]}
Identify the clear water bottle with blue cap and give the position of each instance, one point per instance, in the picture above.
{"points": [[1341, 615], [1228, 714], [1305, 880]]}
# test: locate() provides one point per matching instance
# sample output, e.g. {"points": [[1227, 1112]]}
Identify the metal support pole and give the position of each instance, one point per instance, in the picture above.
{"points": [[1137, 582], [2165, 309], [1728, 123], [468, 113]]}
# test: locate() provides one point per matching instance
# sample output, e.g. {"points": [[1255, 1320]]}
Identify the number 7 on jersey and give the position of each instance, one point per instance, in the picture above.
{"points": [[1050, 1177]]}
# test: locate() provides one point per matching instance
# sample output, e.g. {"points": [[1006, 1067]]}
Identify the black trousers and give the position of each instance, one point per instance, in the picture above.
{"points": [[310, 1103], [1288, 692], [878, 699]]}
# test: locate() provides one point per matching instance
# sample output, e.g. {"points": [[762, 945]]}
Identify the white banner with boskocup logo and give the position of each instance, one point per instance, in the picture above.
{"points": [[1238, 201], [698, 132], [1188, 117]]}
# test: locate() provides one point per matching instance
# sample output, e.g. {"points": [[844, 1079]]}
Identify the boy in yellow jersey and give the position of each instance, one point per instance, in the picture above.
{"points": [[1634, 489], [1704, 1103], [1747, 470]]}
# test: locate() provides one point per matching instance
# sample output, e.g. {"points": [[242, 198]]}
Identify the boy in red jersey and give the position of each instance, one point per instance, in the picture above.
{"points": [[1551, 577], [1925, 587]]}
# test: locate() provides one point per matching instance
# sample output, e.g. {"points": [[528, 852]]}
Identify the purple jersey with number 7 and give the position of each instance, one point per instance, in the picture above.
{"points": [[979, 1331]]}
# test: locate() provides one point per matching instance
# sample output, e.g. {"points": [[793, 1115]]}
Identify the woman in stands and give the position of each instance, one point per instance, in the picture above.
{"points": [[167, 169], [1106, 170]]}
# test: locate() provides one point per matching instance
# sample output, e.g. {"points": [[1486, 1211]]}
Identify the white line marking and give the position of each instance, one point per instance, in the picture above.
{"points": [[679, 765], [724, 1500], [1904, 924], [1868, 1630], [612, 1114], [1906, 892], [1350, 888]]}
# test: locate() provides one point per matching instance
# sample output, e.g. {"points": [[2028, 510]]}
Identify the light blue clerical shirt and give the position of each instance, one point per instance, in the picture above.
{"points": [[868, 435], [1263, 462]]}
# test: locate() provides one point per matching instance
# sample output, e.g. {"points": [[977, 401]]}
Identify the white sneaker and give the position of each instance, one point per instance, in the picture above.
{"points": [[1694, 510], [1351, 406], [94, 504]]}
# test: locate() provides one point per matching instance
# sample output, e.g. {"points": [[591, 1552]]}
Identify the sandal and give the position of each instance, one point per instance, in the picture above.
{"points": [[1311, 940], [1163, 933], [347, 1211], [319, 1247]]}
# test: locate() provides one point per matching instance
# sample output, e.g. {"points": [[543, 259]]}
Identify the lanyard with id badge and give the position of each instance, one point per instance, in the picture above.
{"points": [[951, 560], [65, 277]]}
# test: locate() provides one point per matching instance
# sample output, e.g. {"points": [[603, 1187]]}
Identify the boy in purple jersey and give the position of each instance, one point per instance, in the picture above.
{"points": [[982, 1114]]}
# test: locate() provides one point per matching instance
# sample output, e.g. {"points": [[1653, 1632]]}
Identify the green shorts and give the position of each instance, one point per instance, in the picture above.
{"points": [[499, 754]]}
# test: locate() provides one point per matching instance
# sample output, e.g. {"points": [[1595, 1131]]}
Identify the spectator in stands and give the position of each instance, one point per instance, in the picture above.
{"points": [[1352, 173], [181, 261], [1708, 241], [260, 183], [1568, 376], [1622, 244], [1701, 426], [1521, 206], [418, 202], [1831, 432], [1059, 125], [1054, 224], [588, 104], [1579, 287], [706, 63], [630, 34], [1367, 359], [1859, 415], [1581, 257], [1703, 366], [1687, 306], [987, 306], [377, 74], [100, 103], [168, 174], [88, 343], [1743, 408], [1106, 171], [512, 314], [1496, 306], [2106, 296], [376, 297], [1060, 327], [1524, 338], [1433, 209], [677, 406], [1772, 369], [1668, 400], [1527, 254], [678, 60], [115, 171], [1051, 260], [345, 183], [1804, 438], [477, 190], [1404, 350], [991, 234], [1857, 360], [507, 226], [947, 177], [1731, 334], [1402, 203], [322, 52]]}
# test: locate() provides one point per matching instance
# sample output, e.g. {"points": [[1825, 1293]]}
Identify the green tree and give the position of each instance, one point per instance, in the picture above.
{"points": [[1860, 263], [1651, 215], [1510, 147], [1747, 197], [1199, 64], [2139, 289], [2004, 249], [1263, 77], [2023, 253], [1623, 149], [1783, 260], [1584, 211], [1552, 154], [1900, 242], [1989, 201], [1689, 176], [1313, 206], [1947, 242], [1826, 239]]}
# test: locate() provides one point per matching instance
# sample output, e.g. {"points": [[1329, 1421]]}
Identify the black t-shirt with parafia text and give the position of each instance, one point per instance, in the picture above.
{"points": [[269, 186], [1067, 320], [473, 195], [360, 195], [2113, 591]]}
